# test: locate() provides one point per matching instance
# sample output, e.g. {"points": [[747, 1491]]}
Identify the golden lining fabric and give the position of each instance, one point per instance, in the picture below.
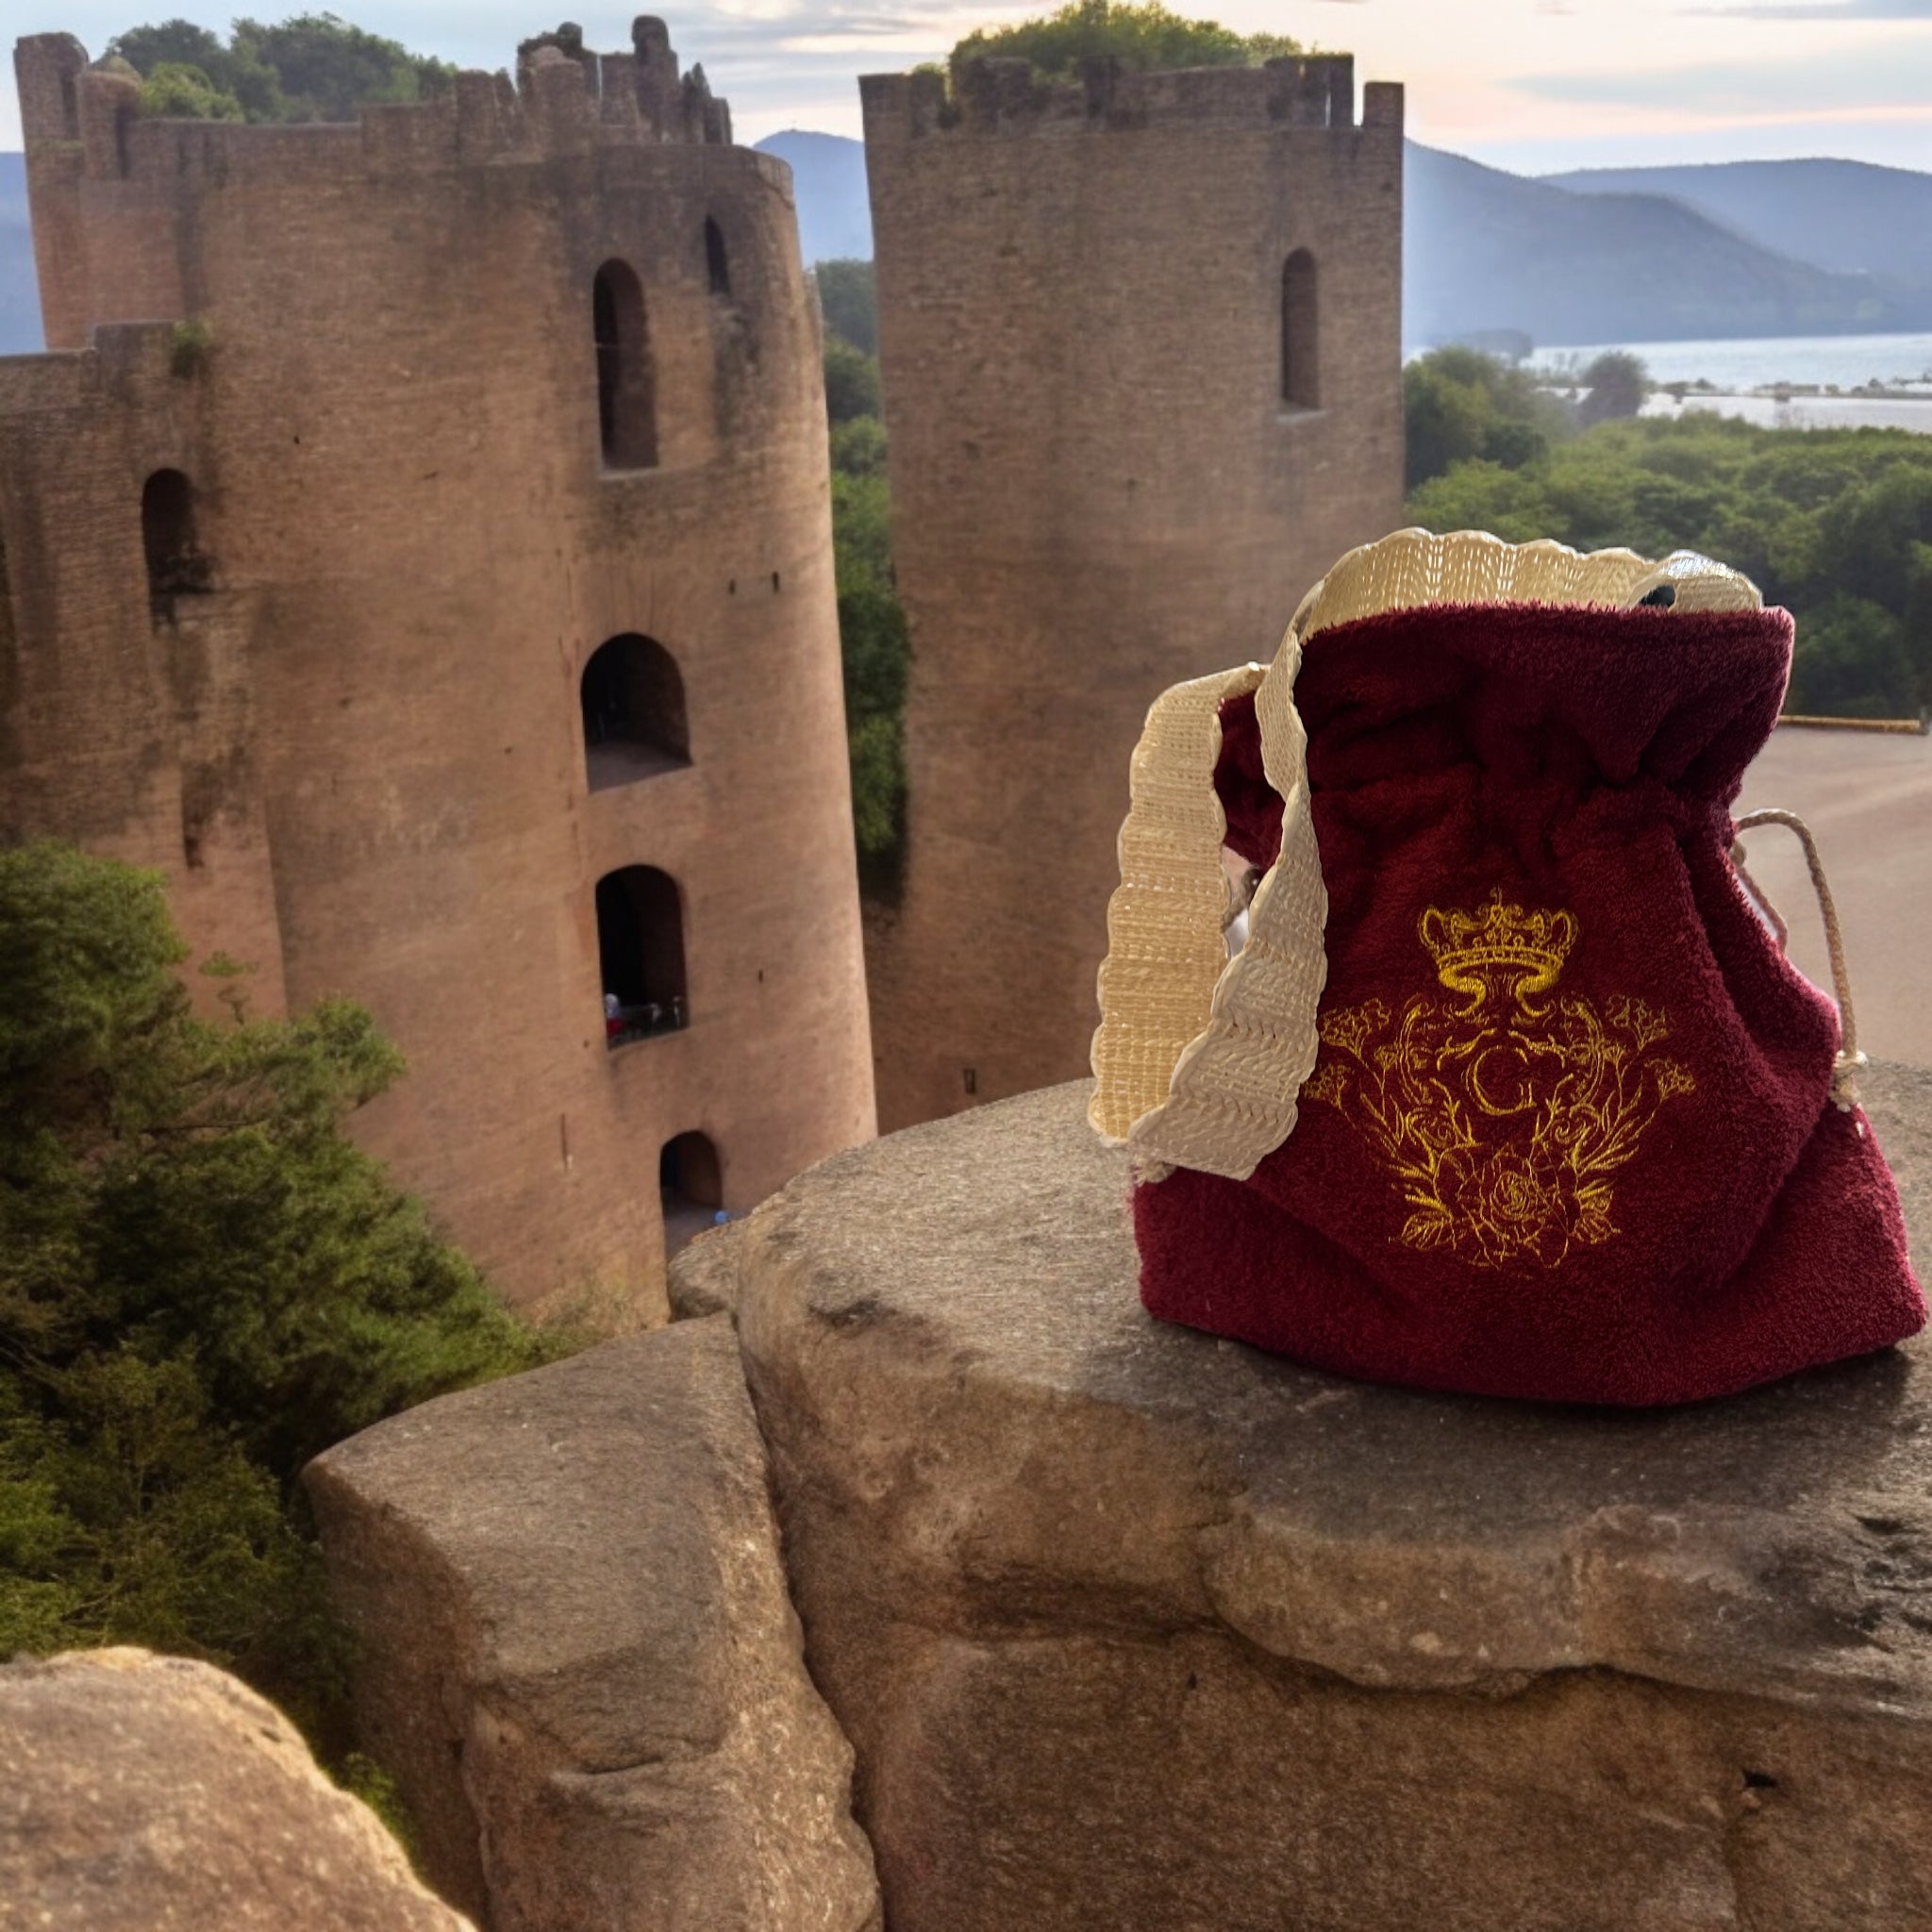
{"points": [[1199, 1061]]}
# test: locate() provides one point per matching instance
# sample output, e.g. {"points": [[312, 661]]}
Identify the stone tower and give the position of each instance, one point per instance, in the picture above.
{"points": [[1141, 337], [417, 546]]}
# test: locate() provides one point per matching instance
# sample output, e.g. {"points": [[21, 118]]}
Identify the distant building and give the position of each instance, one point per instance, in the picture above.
{"points": [[417, 546], [1140, 336]]}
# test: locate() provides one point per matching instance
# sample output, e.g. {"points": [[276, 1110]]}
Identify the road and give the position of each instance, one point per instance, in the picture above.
{"points": [[1868, 799]]}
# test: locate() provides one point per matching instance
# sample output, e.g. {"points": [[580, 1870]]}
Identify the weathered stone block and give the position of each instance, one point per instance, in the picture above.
{"points": [[1133, 1627], [704, 1274], [143, 1794], [578, 1654]]}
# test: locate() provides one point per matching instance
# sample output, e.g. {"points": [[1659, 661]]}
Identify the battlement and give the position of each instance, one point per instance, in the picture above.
{"points": [[565, 98], [1001, 96]]}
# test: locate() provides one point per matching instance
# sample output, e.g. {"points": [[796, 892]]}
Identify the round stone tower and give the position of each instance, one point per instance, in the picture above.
{"points": [[480, 658]]}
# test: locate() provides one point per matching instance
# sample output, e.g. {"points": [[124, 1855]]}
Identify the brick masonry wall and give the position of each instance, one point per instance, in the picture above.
{"points": [[1098, 490], [395, 441]]}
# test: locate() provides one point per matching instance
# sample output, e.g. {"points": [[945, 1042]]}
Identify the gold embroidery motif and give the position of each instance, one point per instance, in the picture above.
{"points": [[1502, 1117]]}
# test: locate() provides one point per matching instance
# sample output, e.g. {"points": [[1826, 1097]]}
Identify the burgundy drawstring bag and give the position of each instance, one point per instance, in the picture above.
{"points": [[1511, 1089]]}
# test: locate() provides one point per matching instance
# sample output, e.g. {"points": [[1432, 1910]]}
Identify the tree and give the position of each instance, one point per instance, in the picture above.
{"points": [[1851, 662], [1444, 420], [1617, 383], [176, 91], [327, 69], [203, 1283], [848, 296], [852, 382], [875, 650], [1837, 524], [1146, 36], [1459, 403], [310, 67], [873, 643]]}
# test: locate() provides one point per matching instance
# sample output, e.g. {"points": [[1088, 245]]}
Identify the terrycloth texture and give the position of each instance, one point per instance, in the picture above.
{"points": [[1570, 1135]]}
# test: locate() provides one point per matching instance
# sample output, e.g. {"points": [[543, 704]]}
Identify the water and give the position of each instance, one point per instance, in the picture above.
{"points": [[1897, 361], [1803, 412]]}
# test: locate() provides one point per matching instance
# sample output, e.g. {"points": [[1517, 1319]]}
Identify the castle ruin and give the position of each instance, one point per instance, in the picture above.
{"points": [[416, 544], [1141, 339]]}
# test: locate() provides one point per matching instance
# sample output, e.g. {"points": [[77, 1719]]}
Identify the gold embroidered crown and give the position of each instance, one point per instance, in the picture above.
{"points": [[1465, 944]]}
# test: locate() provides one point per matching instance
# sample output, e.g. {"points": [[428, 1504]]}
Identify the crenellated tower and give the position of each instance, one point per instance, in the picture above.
{"points": [[417, 545], [1141, 337]]}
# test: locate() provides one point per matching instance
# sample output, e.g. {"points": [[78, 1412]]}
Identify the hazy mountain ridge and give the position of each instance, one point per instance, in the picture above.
{"points": [[1849, 216], [20, 295], [828, 177], [1483, 249]]}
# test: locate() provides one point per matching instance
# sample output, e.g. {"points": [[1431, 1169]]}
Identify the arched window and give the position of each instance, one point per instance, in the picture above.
{"points": [[692, 1188], [176, 566], [716, 263], [627, 406], [1301, 367], [641, 949], [634, 723]]}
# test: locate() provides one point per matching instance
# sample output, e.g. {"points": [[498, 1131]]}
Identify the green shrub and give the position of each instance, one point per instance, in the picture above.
{"points": [[1147, 36], [310, 67], [852, 382], [848, 298], [176, 92], [1834, 524], [1459, 403], [203, 1283]]}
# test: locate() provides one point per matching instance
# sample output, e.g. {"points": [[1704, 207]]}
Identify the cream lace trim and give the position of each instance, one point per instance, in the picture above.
{"points": [[1199, 1061]]}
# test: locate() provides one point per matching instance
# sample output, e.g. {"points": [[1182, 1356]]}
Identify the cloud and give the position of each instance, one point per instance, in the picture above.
{"points": [[1814, 10], [1887, 75]]}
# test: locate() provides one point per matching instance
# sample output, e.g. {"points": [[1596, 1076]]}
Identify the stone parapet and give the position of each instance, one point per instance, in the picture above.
{"points": [[1006, 96], [578, 1655], [565, 99], [1134, 1626]]}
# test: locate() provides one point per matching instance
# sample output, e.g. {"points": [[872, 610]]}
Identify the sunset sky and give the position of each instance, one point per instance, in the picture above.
{"points": [[1530, 85]]}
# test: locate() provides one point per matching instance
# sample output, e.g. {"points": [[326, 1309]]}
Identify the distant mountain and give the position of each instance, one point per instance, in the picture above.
{"points": [[20, 293], [828, 177], [1843, 215], [1485, 250]]}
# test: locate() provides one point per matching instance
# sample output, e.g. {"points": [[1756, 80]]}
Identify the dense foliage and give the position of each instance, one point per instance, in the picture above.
{"points": [[203, 1283], [312, 67], [1459, 403], [1146, 36], [1837, 524], [872, 623], [848, 295]]}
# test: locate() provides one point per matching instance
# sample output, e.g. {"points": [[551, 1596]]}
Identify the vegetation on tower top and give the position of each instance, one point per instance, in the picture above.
{"points": [[310, 67], [1144, 36]]}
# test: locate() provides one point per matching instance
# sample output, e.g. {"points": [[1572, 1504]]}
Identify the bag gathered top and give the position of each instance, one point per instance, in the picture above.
{"points": [[1510, 1088]]}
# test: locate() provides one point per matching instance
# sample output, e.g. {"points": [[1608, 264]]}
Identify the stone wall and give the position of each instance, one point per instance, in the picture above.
{"points": [[1131, 1627], [1099, 487], [358, 752], [1127, 1625]]}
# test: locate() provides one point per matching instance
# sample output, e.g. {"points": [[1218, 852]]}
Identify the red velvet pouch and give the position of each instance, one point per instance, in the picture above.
{"points": [[1571, 1131]]}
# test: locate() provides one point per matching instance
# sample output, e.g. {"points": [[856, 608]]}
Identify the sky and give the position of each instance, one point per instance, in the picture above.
{"points": [[1534, 86]]}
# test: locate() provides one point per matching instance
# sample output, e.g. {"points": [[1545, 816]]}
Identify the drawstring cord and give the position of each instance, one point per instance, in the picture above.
{"points": [[1844, 1071]]}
